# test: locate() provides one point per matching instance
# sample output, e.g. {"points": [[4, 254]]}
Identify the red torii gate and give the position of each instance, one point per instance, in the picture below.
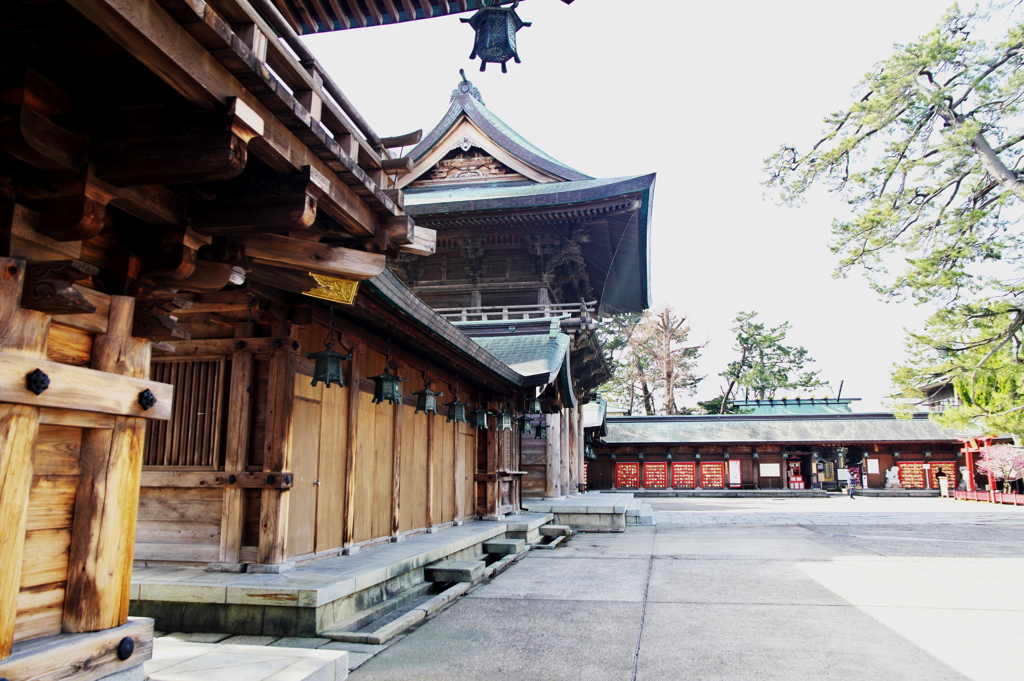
{"points": [[972, 446]]}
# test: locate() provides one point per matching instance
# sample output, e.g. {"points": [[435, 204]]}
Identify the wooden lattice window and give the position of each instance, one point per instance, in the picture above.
{"points": [[192, 437]]}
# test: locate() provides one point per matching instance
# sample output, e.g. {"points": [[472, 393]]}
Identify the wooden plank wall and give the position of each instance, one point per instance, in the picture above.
{"points": [[44, 568]]}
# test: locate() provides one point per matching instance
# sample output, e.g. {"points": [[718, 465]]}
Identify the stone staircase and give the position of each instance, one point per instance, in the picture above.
{"points": [[639, 513]]}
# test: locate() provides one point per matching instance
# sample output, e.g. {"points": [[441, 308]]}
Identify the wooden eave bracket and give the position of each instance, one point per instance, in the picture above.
{"points": [[154, 318], [310, 256], [232, 346]]}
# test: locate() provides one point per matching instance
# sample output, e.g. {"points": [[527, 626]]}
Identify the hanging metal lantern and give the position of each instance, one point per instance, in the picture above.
{"points": [[588, 452], [327, 362], [533, 406], [386, 387], [478, 418], [504, 419], [456, 411], [542, 430], [426, 399], [496, 34], [525, 425]]}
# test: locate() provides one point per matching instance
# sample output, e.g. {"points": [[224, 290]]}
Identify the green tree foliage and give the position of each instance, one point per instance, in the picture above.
{"points": [[765, 364], [929, 157], [714, 406], [651, 359]]}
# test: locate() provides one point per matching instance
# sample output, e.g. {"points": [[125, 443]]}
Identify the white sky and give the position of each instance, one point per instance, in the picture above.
{"points": [[699, 93]]}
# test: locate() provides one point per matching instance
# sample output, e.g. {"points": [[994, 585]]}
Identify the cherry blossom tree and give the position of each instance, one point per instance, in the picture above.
{"points": [[1003, 462]]}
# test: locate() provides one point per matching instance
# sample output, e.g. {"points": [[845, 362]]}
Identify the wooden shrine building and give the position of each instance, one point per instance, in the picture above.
{"points": [[189, 209], [772, 451], [530, 254]]}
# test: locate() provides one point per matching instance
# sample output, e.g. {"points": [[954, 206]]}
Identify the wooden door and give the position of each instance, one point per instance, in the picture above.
{"points": [[305, 467]]}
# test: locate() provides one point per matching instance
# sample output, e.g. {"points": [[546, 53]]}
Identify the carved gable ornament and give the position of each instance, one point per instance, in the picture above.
{"points": [[469, 166]]}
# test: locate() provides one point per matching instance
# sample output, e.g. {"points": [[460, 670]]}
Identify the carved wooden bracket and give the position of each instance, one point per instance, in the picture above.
{"points": [[48, 287], [27, 131], [154, 317]]}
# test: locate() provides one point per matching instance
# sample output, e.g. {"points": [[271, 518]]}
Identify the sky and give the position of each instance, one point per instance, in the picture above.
{"points": [[699, 93]]}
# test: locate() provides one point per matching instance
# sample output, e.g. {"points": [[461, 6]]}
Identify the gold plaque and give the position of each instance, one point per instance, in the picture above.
{"points": [[334, 289]]}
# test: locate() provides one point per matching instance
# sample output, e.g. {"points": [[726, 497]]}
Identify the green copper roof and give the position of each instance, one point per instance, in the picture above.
{"points": [[540, 358]]}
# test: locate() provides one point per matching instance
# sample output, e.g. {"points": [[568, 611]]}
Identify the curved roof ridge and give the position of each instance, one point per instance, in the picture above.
{"points": [[466, 100]]}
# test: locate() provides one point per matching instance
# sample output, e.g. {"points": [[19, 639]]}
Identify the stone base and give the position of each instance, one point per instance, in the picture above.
{"points": [[177, 660]]}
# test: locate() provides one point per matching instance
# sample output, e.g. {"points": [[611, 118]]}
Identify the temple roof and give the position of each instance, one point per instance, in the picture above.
{"points": [[466, 102], [316, 17], [787, 429]]}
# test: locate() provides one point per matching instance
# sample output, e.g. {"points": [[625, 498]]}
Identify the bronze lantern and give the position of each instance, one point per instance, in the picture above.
{"points": [[456, 411], [533, 406], [542, 430], [426, 399], [327, 362], [386, 387], [478, 417], [496, 29], [525, 425], [504, 419]]}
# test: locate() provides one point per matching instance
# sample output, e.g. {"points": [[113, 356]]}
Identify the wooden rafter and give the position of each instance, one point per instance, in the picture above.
{"points": [[356, 13]]}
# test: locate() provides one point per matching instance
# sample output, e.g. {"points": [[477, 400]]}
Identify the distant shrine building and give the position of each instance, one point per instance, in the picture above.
{"points": [[784, 444]]}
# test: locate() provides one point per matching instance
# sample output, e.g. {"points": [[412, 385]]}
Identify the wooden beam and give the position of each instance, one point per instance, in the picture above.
{"points": [[22, 334], [424, 242], [397, 166], [231, 346], [231, 478], [254, 214], [80, 388], [407, 140], [28, 134], [351, 438], [152, 36], [401, 230], [174, 160], [308, 256], [107, 501], [85, 656]]}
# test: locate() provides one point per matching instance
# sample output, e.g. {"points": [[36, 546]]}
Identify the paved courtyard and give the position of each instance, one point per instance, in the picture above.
{"points": [[746, 589]]}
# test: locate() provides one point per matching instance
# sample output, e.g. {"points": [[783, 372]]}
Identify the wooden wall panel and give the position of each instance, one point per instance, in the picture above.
{"points": [[44, 568], [363, 499], [413, 506], [382, 469], [444, 441], [331, 493], [466, 452], [179, 516], [301, 537]]}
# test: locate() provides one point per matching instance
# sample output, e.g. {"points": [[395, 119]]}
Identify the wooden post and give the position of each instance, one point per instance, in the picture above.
{"points": [[564, 451], [349, 519], [277, 457], [554, 461], [22, 332], [396, 468], [107, 502], [430, 470], [459, 466], [239, 412]]}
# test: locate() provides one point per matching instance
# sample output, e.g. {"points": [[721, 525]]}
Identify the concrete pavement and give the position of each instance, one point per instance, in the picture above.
{"points": [[746, 589]]}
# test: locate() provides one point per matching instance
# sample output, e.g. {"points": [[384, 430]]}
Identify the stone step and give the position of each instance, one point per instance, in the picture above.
{"points": [[455, 571], [505, 546], [379, 611], [555, 530], [185, 661], [389, 627]]}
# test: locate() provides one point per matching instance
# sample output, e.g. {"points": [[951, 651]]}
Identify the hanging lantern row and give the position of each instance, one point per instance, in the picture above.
{"points": [[327, 362]]}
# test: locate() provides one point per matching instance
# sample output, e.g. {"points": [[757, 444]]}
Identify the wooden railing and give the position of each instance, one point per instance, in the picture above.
{"points": [[573, 311]]}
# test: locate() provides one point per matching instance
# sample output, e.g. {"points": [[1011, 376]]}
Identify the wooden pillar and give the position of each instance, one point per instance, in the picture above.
{"points": [[564, 452], [554, 461], [277, 457], [22, 332], [239, 412], [349, 517], [459, 466], [107, 502], [430, 471], [396, 468]]}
